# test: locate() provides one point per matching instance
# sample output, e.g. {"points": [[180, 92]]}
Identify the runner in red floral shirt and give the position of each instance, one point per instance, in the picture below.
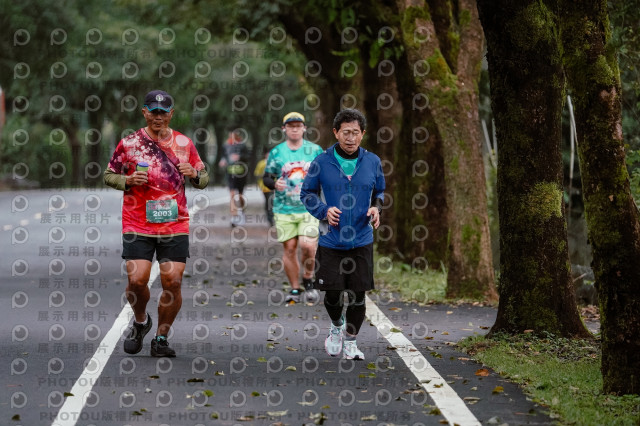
{"points": [[151, 166]]}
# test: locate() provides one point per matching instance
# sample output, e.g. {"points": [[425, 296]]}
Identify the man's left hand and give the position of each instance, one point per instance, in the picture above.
{"points": [[188, 170], [374, 215]]}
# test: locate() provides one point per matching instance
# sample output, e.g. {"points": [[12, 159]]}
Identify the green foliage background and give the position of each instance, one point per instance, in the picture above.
{"points": [[188, 48]]}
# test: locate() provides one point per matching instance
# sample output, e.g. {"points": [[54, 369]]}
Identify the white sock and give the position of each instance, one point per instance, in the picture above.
{"points": [[146, 320]]}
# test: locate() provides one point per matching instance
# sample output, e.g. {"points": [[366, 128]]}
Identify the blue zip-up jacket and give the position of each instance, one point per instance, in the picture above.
{"points": [[326, 185]]}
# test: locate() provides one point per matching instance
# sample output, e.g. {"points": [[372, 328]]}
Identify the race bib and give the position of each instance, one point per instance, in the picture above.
{"points": [[161, 211]]}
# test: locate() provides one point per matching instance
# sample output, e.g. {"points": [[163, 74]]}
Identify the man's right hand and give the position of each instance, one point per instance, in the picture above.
{"points": [[281, 184], [137, 178], [333, 216]]}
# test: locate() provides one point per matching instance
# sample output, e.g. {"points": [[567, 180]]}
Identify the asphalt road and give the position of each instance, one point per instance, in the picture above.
{"points": [[244, 357]]}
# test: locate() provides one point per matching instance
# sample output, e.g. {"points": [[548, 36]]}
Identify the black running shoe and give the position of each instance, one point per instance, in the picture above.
{"points": [[307, 283], [160, 347], [133, 342]]}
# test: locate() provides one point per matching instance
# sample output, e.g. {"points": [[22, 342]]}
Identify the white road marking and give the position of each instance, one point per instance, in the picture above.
{"points": [[446, 399], [69, 413]]}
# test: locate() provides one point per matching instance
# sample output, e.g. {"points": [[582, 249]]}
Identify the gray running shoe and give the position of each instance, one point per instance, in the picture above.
{"points": [[293, 296], [311, 296]]}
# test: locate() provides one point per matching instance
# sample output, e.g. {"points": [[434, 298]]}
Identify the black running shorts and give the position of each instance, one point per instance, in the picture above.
{"points": [[173, 248], [344, 269]]}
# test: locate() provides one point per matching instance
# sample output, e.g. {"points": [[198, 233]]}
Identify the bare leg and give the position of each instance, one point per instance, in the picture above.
{"points": [[138, 272], [291, 264], [171, 298], [232, 203], [308, 246]]}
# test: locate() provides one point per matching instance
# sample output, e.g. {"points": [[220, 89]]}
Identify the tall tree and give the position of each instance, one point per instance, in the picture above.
{"points": [[527, 88], [611, 214], [444, 45]]}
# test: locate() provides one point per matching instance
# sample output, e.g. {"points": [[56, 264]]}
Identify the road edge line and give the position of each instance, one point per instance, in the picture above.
{"points": [[452, 407]]}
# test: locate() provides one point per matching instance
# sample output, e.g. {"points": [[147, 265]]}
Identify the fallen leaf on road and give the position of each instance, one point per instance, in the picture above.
{"points": [[497, 389], [277, 413], [245, 418], [482, 372]]}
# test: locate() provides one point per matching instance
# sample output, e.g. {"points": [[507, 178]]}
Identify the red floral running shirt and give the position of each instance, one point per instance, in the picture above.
{"points": [[165, 182]]}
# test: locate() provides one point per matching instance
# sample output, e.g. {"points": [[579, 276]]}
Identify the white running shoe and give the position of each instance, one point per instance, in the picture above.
{"points": [[351, 351], [333, 342], [311, 296]]}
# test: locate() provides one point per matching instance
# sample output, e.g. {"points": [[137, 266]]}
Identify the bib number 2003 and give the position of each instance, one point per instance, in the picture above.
{"points": [[162, 211]]}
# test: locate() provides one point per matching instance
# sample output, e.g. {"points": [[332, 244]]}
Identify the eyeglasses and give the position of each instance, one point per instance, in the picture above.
{"points": [[349, 133]]}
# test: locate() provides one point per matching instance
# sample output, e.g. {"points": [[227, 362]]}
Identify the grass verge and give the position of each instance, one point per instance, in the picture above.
{"points": [[561, 374], [412, 284]]}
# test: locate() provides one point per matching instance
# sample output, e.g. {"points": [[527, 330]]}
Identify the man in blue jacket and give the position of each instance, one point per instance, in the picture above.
{"points": [[344, 190]]}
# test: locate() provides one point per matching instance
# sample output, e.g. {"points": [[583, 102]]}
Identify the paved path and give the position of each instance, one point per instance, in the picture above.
{"points": [[244, 357]]}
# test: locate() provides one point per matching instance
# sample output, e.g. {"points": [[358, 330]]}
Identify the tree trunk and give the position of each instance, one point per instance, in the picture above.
{"points": [[415, 227], [447, 36], [92, 173], [322, 69], [527, 88], [420, 203], [612, 216], [382, 109]]}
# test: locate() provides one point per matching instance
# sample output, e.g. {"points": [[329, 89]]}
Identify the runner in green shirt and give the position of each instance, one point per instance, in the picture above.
{"points": [[286, 168]]}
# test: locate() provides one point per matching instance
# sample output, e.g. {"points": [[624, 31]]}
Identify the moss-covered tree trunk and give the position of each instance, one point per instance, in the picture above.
{"points": [[612, 216], [443, 41], [527, 87]]}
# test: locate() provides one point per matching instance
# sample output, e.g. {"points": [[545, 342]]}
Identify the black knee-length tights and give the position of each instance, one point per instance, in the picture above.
{"points": [[334, 302]]}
